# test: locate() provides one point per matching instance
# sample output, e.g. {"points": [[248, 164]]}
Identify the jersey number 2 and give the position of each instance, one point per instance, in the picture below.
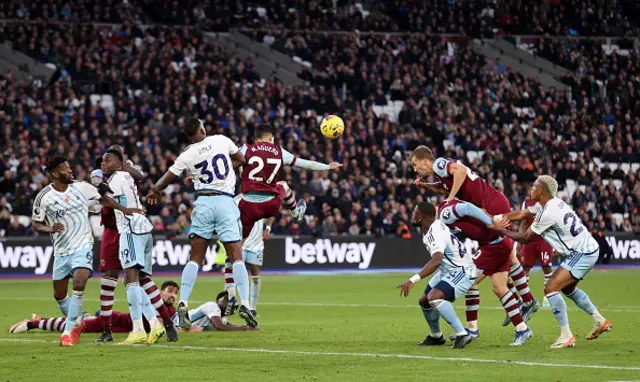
{"points": [[574, 219], [253, 174], [207, 176]]}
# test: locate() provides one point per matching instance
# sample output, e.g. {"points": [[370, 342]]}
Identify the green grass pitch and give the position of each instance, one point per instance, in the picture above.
{"points": [[333, 327]]}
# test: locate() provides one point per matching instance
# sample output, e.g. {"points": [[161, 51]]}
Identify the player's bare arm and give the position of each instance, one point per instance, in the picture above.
{"points": [[238, 160], [219, 325], [136, 174], [436, 188], [267, 228], [108, 202], [161, 184], [43, 228], [426, 271], [459, 174], [515, 216], [521, 237]]}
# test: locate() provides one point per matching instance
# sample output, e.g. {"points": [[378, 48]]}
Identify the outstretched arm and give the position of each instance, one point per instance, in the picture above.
{"points": [[311, 165], [450, 214], [426, 271], [161, 184], [436, 188], [521, 237], [516, 216], [219, 325]]}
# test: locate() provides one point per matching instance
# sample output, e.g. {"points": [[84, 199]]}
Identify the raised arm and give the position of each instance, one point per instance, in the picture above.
{"points": [[135, 172], [162, 183]]}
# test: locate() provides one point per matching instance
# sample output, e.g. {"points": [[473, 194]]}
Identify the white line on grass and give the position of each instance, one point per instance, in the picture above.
{"points": [[364, 355], [623, 309]]}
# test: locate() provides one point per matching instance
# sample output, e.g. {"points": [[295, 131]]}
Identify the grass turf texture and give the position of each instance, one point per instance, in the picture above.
{"points": [[339, 327]]}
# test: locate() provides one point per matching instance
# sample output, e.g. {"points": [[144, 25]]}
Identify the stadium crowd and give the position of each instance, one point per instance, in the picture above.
{"points": [[456, 102]]}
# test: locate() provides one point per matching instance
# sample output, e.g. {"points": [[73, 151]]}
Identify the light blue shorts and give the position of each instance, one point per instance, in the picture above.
{"points": [[252, 257], [580, 264], [63, 266], [219, 214], [454, 283], [136, 251]]}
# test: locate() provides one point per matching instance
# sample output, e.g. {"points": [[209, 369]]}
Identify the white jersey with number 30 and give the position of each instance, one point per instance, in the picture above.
{"points": [[559, 225], [439, 238], [209, 163]]}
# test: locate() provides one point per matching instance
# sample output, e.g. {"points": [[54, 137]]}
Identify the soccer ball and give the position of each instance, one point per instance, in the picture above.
{"points": [[332, 126]]}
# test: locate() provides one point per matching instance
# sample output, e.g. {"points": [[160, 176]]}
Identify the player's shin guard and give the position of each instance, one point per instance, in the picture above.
{"points": [[189, 276], [521, 282], [449, 314], [155, 297], [472, 304], [241, 277], [74, 310], [135, 305], [255, 291], [229, 283], [559, 309], [433, 319], [510, 304], [64, 305], [107, 299]]}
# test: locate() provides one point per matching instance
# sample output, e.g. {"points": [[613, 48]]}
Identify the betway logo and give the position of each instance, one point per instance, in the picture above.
{"points": [[26, 257], [323, 251], [624, 248], [166, 252]]}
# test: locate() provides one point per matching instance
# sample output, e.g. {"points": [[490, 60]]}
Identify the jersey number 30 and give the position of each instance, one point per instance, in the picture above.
{"points": [[219, 173], [259, 162]]}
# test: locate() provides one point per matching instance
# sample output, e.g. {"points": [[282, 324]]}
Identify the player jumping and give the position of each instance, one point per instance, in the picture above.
{"points": [[492, 260], [62, 210], [559, 225], [458, 181], [454, 275], [211, 162]]}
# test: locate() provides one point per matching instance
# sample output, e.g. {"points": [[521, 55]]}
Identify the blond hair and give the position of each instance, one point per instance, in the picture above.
{"points": [[550, 183]]}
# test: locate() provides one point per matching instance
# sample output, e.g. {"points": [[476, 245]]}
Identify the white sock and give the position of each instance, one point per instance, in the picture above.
{"points": [[521, 326], [565, 332], [153, 323], [597, 318], [232, 291], [138, 326], [472, 325], [245, 302], [439, 334]]}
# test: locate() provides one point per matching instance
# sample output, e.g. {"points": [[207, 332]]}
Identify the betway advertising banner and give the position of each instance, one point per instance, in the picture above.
{"points": [[35, 255]]}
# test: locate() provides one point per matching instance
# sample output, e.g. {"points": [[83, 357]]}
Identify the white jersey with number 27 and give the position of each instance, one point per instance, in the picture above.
{"points": [[559, 225], [439, 238], [209, 163]]}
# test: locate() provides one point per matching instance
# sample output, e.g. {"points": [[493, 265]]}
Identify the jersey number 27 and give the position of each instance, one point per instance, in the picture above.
{"points": [[254, 174]]}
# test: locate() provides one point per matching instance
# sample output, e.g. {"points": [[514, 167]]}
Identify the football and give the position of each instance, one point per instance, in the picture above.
{"points": [[332, 126]]}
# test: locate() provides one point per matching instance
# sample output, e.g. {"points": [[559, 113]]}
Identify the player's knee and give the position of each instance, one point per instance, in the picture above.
{"points": [[79, 285], [569, 289], [59, 295], [424, 302]]}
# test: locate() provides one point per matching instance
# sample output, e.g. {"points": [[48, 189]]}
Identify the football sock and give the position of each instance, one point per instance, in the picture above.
{"points": [[229, 283], [510, 304], [433, 319], [521, 282], [547, 276], [189, 276], [472, 303], [155, 297], [148, 311], [56, 324], [449, 314], [583, 302], [64, 305], [241, 277], [135, 305], [107, 299], [74, 310], [255, 291], [289, 201], [512, 288], [559, 309]]}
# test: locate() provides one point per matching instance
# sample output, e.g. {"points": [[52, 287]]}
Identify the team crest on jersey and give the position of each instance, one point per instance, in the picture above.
{"points": [[441, 165], [446, 213], [66, 200], [36, 211]]}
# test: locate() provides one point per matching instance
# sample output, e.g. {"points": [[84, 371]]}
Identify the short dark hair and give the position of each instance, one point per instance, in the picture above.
{"points": [[98, 162], [191, 127], [263, 129], [422, 152], [116, 153], [427, 209], [169, 283], [53, 162], [116, 147]]}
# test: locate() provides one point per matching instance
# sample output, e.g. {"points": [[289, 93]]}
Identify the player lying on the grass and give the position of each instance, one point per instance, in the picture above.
{"points": [[62, 210], [208, 317], [453, 274], [559, 225]]}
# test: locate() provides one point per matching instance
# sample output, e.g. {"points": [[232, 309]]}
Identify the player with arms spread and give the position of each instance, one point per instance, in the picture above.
{"points": [[492, 260], [559, 225], [62, 210], [210, 161], [454, 273]]}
